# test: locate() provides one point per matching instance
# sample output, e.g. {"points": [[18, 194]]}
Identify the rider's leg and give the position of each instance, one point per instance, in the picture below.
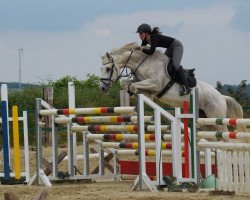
{"points": [[177, 56], [169, 53], [184, 88]]}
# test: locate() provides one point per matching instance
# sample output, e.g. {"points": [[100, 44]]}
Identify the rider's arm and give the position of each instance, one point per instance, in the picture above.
{"points": [[144, 43], [154, 41]]}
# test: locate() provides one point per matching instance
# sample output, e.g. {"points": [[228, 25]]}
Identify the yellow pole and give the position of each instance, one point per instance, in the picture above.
{"points": [[16, 142]]}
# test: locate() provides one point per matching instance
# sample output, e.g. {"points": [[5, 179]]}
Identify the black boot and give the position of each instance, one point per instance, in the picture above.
{"points": [[184, 89]]}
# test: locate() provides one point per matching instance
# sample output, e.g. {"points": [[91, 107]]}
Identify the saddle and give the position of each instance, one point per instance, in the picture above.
{"points": [[174, 78], [189, 75]]}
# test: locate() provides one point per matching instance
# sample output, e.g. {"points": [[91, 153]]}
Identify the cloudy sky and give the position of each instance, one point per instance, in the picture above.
{"points": [[67, 37]]}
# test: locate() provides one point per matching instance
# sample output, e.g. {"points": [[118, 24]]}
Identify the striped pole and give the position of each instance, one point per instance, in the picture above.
{"points": [[16, 142], [225, 145], [89, 111], [148, 152], [134, 145], [225, 121], [223, 135], [119, 137], [116, 128], [101, 119], [151, 152], [5, 141]]}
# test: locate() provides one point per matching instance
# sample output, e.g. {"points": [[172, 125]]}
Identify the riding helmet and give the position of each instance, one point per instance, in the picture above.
{"points": [[143, 28]]}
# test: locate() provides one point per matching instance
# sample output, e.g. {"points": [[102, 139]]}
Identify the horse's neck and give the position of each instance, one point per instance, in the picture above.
{"points": [[137, 59], [128, 60]]}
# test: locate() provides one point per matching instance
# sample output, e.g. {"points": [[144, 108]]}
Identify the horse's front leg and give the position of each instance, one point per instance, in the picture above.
{"points": [[148, 85], [125, 84]]}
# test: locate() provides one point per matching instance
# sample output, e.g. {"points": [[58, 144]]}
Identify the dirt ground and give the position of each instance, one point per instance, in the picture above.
{"points": [[105, 190], [99, 189]]}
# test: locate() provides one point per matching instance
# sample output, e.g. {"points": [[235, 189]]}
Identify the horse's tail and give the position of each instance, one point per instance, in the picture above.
{"points": [[234, 110]]}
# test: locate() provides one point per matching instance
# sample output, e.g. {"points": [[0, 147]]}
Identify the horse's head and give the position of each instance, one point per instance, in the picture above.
{"points": [[115, 60], [109, 72]]}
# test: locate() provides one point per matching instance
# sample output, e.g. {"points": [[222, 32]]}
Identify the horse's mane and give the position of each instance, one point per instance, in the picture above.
{"points": [[126, 47], [134, 46]]}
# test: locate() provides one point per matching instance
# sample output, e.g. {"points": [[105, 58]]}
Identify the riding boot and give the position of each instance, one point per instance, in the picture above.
{"points": [[184, 88]]}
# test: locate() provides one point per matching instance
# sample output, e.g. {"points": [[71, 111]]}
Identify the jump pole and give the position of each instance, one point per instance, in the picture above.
{"points": [[194, 165], [71, 135], [186, 140], [26, 145], [39, 177], [4, 97], [54, 147], [5, 139], [190, 141], [142, 179], [16, 143], [16, 153]]}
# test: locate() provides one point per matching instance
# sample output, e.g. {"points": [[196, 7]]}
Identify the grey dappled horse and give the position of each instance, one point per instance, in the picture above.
{"points": [[150, 77]]}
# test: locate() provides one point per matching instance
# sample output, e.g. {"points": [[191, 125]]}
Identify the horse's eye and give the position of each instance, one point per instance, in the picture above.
{"points": [[108, 69]]}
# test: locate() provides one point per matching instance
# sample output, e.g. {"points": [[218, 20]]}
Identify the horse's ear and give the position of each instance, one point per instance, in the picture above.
{"points": [[108, 56]]}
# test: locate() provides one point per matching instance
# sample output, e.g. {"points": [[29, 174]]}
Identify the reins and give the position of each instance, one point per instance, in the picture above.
{"points": [[129, 75], [134, 72]]}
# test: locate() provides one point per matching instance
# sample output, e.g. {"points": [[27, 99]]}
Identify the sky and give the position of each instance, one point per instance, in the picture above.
{"points": [[67, 37]]}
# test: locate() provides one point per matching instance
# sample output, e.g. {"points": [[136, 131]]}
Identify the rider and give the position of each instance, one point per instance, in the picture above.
{"points": [[174, 50]]}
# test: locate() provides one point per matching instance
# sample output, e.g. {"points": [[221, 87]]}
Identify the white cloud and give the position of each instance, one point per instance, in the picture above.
{"points": [[102, 32], [210, 43]]}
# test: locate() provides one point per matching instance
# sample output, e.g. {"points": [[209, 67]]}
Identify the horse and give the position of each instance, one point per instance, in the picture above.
{"points": [[150, 77]]}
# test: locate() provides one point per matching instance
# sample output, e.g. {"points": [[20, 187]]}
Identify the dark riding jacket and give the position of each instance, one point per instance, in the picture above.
{"points": [[157, 40]]}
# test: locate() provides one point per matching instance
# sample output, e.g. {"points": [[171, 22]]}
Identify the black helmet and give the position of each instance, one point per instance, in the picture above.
{"points": [[143, 28]]}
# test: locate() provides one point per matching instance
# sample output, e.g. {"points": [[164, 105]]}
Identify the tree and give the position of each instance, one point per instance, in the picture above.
{"points": [[240, 94], [219, 87], [230, 92]]}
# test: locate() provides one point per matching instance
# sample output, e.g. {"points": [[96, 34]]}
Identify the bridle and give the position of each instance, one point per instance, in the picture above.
{"points": [[110, 81], [125, 68]]}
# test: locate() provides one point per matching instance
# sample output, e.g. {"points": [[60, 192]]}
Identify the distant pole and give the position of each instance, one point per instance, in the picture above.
{"points": [[48, 97], [20, 52]]}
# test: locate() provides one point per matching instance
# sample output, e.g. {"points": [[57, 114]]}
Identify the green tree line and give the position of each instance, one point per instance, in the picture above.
{"points": [[238, 92]]}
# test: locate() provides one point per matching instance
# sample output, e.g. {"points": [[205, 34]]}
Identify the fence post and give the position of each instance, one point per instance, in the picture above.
{"points": [[48, 97]]}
